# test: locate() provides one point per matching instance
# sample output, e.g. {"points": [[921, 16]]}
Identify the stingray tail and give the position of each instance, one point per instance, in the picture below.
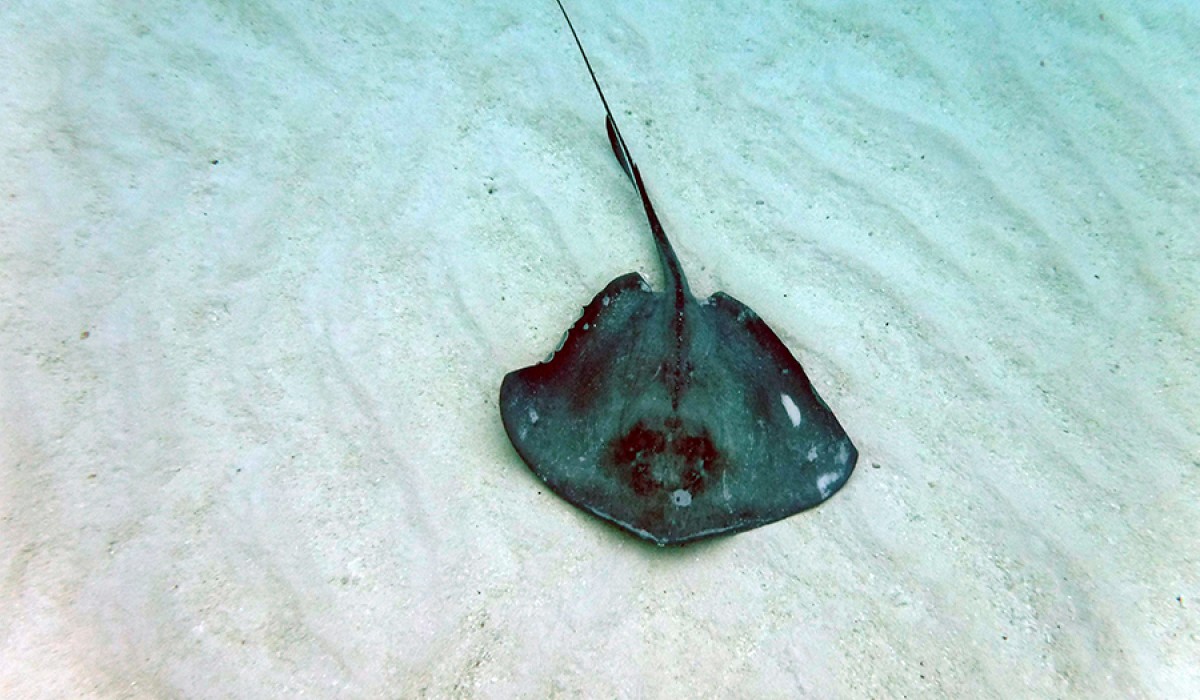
{"points": [[666, 253], [618, 148]]}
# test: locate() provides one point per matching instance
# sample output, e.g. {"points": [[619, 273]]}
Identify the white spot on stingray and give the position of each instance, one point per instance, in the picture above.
{"points": [[586, 326], [812, 454], [825, 483], [533, 416], [681, 498], [793, 411], [843, 454], [604, 301], [561, 342]]}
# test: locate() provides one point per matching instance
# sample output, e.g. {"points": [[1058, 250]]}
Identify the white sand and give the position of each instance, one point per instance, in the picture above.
{"points": [[274, 466]]}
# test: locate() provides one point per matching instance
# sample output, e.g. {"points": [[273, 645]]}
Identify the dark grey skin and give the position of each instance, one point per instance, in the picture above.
{"points": [[673, 418]]}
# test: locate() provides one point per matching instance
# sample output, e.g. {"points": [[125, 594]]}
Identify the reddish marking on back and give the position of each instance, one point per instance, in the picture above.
{"points": [[652, 460]]}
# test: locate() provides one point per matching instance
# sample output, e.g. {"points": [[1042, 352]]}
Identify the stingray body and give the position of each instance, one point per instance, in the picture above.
{"points": [[673, 418]]}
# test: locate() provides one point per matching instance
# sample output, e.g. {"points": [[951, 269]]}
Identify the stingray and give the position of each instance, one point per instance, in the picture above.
{"points": [[674, 418]]}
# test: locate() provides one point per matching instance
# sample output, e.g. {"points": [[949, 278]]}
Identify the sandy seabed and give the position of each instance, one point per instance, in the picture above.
{"points": [[264, 265]]}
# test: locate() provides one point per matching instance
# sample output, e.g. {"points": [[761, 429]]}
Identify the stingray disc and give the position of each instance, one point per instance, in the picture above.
{"points": [[724, 436]]}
